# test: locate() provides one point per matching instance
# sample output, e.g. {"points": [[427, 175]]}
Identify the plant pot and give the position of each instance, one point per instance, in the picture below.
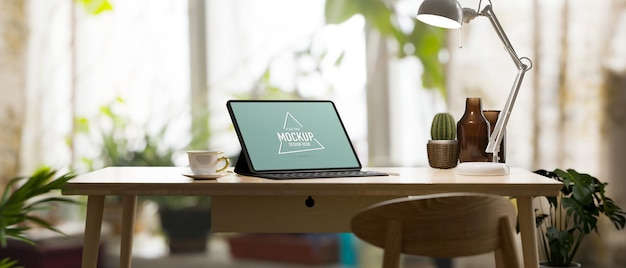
{"points": [[443, 154], [544, 265], [187, 229]]}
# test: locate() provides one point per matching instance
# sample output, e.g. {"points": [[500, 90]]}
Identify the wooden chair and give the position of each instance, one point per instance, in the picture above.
{"points": [[441, 225]]}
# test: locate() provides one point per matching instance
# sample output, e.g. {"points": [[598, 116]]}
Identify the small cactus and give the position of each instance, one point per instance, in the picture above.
{"points": [[443, 127]]}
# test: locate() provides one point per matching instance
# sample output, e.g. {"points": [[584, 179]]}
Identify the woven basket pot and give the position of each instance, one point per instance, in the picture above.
{"points": [[443, 154]]}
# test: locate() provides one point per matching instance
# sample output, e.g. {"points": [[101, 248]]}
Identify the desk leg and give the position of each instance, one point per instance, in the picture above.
{"points": [[93, 224], [128, 226], [527, 231]]}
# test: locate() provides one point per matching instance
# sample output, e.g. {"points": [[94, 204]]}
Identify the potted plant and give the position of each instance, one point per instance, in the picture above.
{"points": [[19, 201], [570, 216], [186, 221], [443, 148]]}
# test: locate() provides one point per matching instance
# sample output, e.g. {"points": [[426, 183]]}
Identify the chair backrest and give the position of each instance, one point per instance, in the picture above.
{"points": [[441, 225]]}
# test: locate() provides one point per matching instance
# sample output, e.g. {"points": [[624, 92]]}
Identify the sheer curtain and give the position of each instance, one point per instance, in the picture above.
{"points": [[78, 62]]}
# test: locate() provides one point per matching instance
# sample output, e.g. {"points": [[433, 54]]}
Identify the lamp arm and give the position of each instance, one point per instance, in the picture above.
{"points": [[496, 136], [488, 12]]}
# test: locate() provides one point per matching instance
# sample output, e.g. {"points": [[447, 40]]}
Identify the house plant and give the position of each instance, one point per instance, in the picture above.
{"points": [[19, 202], [569, 217], [443, 148], [186, 221], [187, 216]]}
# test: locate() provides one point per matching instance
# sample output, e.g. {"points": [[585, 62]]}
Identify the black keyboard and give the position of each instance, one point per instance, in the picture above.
{"points": [[320, 174]]}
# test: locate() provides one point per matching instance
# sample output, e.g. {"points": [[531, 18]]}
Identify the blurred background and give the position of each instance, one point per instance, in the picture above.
{"points": [[91, 83]]}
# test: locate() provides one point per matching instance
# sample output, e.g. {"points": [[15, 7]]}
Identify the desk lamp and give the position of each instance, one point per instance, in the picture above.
{"points": [[449, 14]]}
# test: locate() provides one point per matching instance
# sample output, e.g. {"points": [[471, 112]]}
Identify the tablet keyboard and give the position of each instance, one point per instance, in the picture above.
{"points": [[321, 174]]}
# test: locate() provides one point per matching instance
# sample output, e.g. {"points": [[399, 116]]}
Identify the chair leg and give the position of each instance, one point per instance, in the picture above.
{"points": [[393, 245], [506, 255]]}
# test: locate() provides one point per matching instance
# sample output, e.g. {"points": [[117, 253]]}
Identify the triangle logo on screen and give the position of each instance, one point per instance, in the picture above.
{"points": [[295, 138]]}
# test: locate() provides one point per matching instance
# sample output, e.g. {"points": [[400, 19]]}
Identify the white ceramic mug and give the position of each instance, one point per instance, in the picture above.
{"points": [[204, 162]]}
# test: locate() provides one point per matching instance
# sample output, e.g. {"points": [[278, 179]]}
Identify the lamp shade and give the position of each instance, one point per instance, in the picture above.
{"points": [[441, 13]]}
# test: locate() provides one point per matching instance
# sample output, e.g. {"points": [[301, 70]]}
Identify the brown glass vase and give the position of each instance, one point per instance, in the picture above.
{"points": [[472, 132], [492, 118]]}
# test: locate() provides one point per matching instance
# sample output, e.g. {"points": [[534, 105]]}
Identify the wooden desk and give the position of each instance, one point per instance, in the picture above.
{"points": [[250, 204]]}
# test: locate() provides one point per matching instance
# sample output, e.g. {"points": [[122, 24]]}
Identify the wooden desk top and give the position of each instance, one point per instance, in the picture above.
{"points": [[409, 181]]}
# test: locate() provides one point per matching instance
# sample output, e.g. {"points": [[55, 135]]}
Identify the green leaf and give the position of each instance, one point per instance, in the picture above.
{"points": [[18, 201], [582, 200], [266, 76], [339, 11], [82, 125], [428, 42], [95, 7], [585, 187], [8, 263], [339, 59], [561, 242], [614, 212]]}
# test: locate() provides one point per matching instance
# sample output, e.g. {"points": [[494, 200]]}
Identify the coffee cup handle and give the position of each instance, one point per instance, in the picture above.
{"points": [[226, 164]]}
